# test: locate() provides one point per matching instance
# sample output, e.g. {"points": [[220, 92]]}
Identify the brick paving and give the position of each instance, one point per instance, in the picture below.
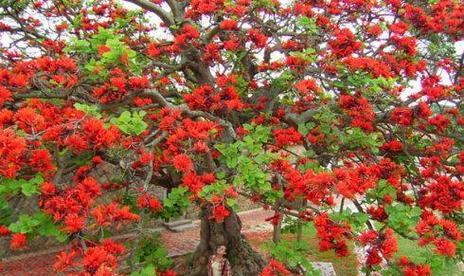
{"points": [[40, 263]]}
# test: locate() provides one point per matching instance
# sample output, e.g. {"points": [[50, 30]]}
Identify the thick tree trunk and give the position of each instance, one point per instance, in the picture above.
{"points": [[243, 259]]}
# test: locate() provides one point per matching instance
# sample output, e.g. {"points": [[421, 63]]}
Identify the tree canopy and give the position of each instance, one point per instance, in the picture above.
{"points": [[306, 107]]}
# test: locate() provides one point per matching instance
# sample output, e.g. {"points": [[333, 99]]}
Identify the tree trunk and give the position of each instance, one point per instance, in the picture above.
{"points": [[243, 259]]}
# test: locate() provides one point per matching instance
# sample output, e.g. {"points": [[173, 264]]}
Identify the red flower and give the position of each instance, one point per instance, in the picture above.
{"points": [[106, 215], [212, 52], [183, 163], [167, 273], [149, 202], [440, 122], [258, 38], [393, 146], [275, 268], [344, 43], [103, 49], [153, 50], [41, 161], [411, 269], [96, 257], [74, 223], [331, 235], [113, 247], [12, 148], [231, 44], [5, 95], [399, 27], [445, 247], [64, 260], [305, 86], [18, 241], [139, 82], [190, 31], [406, 44], [228, 24], [48, 188], [285, 137], [29, 121], [402, 116], [219, 213], [4, 231]]}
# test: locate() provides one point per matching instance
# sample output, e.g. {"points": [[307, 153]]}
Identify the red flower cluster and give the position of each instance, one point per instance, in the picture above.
{"points": [[373, 66], [198, 8], [443, 194], [310, 185], [18, 241], [379, 245], [405, 44], [12, 149], [440, 122], [228, 24], [275, 268], [149, 202], [4, 231], [258, 38], [211, 53], [359, 109], [332, 235], [206, 97], [287, 137], [113, 214], [98, 135], [29, 120], [306, 86], [432, 89], [357, 180], [411, 269], [187, 34], [71, 205], [443, 233], [5, 95], [344, 44], [195, 182], [219, 213], [183, 163], [402, 116], [74, 223], [392, 146], [445, 16]]}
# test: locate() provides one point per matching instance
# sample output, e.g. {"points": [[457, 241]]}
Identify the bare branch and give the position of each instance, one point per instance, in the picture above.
{"points": [[147, 5]]}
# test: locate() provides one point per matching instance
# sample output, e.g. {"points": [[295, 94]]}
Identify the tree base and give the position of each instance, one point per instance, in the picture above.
{"points": [[243, 259]]}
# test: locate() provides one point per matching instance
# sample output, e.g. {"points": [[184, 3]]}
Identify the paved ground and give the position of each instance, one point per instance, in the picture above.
{"points": [[40, 263]]}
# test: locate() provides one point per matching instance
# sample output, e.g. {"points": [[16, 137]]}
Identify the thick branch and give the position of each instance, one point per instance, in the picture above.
{"points": [[147, 5]]}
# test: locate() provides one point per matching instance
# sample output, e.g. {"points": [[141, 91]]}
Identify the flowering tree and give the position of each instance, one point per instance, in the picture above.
{"points": [[307, 107]]}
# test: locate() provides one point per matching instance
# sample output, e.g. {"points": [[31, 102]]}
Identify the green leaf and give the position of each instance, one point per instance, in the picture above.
{"points": [[402, 217], [25, 224], [293, 254], [148, 270], [382, 189], [307, 24], [92, 110], [131, 124], [176, 202], [29, 189]]}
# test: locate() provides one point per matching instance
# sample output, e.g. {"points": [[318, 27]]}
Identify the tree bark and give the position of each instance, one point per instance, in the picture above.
{"points": [[243, 259]]}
